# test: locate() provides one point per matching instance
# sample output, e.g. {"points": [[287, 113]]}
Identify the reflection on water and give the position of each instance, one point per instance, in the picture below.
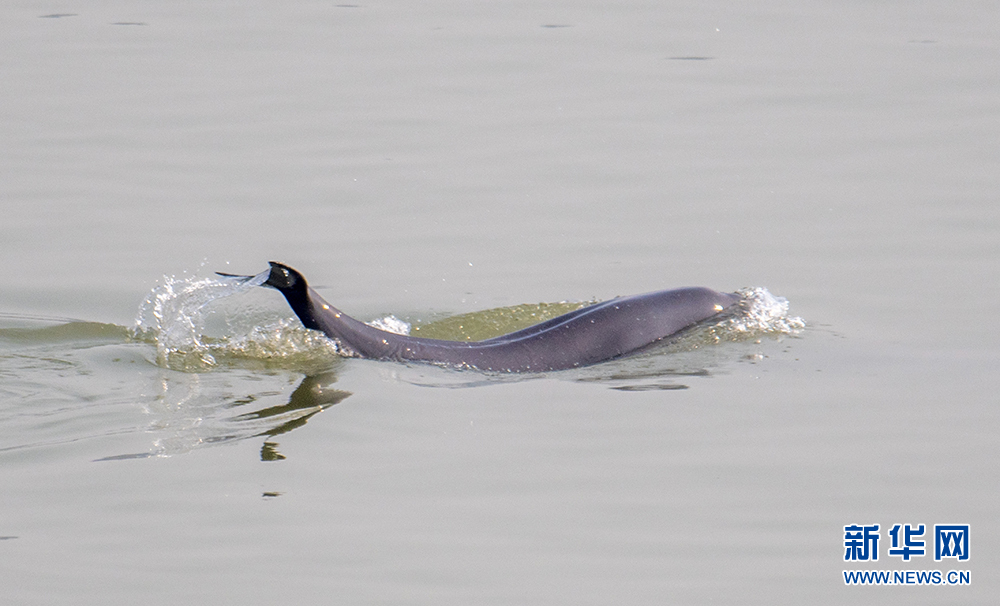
{"points": [[636, 378], [650, 387], [313, 395], [47, 377], [193, 411]]}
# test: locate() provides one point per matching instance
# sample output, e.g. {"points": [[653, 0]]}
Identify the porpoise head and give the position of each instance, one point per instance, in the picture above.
{"points": [[291, 284], [285, 278]]}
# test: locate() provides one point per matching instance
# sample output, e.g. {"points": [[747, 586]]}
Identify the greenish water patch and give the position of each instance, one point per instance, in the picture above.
{"points": [[489, 323]]}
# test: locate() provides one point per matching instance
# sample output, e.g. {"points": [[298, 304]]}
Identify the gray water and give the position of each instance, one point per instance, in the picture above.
{"points": [[423, 160]]}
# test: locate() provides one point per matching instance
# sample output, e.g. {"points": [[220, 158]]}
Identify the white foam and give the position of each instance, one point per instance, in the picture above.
{"points": [[758, 314], [391, 324]]}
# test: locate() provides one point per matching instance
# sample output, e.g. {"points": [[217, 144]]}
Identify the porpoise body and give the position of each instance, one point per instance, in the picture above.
{"points": [[596, 333]]}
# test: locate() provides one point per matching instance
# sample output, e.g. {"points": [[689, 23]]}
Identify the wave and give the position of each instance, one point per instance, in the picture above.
{"points": [[79, 333]]}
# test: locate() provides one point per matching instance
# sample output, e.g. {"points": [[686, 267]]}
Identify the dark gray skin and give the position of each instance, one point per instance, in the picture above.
{"points": [[589, 335]]}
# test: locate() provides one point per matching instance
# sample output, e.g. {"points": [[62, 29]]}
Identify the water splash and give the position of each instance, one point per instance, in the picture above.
{"points": [[178, 317], [173, 312], [758, 315]]}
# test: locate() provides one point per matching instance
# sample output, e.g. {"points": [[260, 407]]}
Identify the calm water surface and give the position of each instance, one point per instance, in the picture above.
{"points": [[425, 160]]}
